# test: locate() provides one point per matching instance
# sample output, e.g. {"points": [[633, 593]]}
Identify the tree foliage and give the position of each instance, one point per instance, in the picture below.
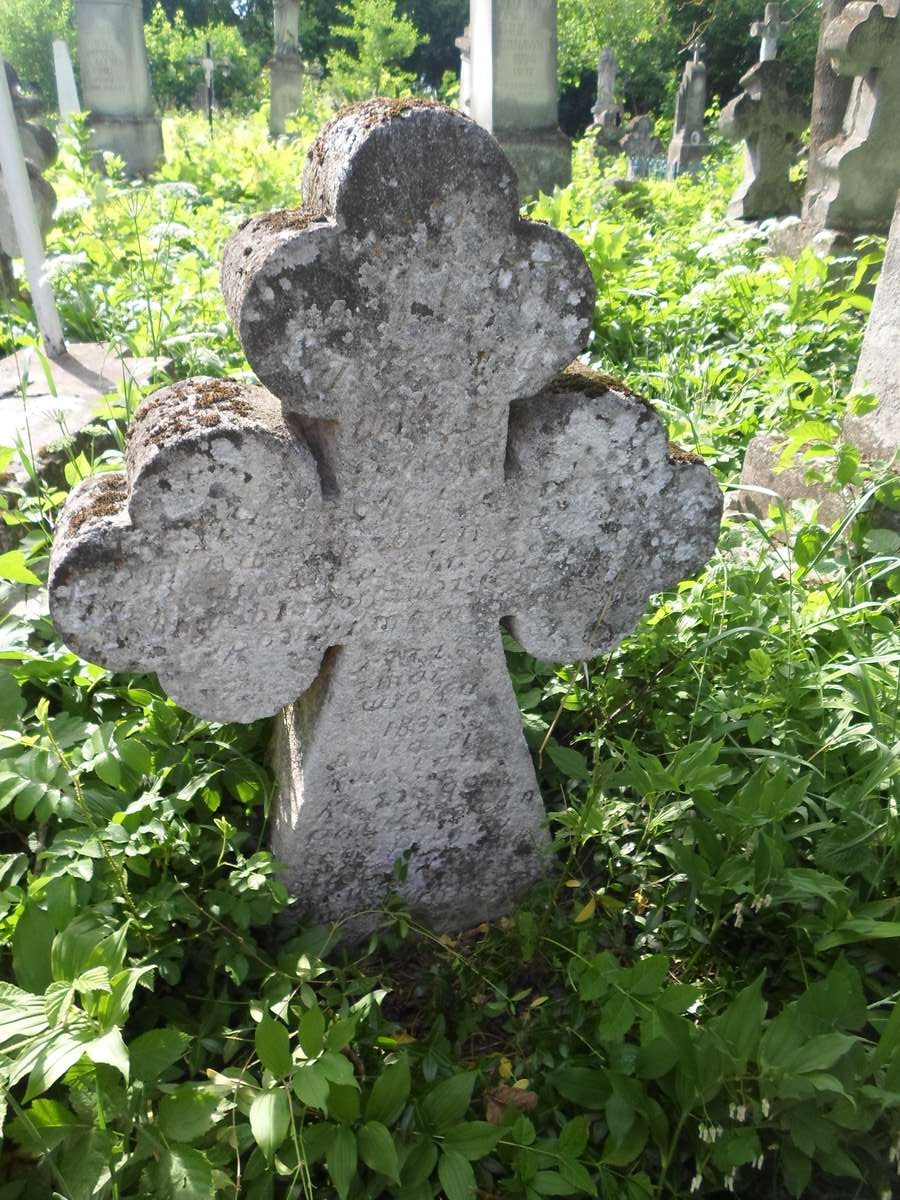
{"points": [[380, 41], [174, 49], [27, 29]]}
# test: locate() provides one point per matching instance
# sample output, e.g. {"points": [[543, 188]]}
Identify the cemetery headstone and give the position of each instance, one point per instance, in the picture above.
{"points": [[66, 89], [858, 172], [608, 124], [514, 88], [115, 81], [210, 65], [689, 146], [770, 31], [646, 157], [423, 464], [285, 66], [875, 434], [768, 119], [464, 46]]}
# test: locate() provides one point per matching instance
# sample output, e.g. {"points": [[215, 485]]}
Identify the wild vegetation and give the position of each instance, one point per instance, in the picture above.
{"points": [[701, 998]]}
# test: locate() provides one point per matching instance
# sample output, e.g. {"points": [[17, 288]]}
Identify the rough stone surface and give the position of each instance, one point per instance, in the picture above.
{"points": [[877, 434], [689, 146], [514, 91], [434, 466], [643, 149], [859, 170], [115, 82], [768, 119]]}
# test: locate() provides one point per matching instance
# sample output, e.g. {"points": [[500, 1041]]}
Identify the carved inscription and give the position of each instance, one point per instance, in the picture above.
{"points": [[525, 90]]}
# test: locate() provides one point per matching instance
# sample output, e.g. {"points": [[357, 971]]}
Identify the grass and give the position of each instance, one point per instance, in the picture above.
{"points": [[701, 999]]}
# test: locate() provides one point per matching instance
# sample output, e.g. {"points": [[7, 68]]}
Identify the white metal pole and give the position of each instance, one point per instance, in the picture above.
{"points": [[66, 89], [25, 222]]}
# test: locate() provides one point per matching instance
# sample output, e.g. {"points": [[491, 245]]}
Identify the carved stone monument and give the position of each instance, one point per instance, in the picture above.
{"points": [[689, 146], [285, 66], [514, 90], [769, 31], [859, 171], [646, 157], [424, 464], [608, 126], [464, 46], [115, 82], [768, 119]]}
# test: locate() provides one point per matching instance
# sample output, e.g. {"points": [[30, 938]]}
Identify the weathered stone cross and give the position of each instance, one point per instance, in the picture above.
{"points": [[770, 31], [769, 119], [427, 469], [860, 168]]}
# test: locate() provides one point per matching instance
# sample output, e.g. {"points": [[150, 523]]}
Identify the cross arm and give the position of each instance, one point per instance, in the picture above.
{"points": [[204, 561], [609, 514], [860, 38]]}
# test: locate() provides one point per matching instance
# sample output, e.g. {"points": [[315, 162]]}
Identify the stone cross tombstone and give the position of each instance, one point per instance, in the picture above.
{"points": [[115, 81], [285, 66], [769, 119], [770, 31], [877, 434], [464, 46], [420, 463], [646, 158], [26, 201], [608, 124], [689, 146], [66, 89], [859, 170], [514, 88]]}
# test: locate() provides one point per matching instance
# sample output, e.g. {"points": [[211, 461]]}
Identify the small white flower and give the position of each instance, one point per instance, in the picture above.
{"points": [[758, 1163], [738, 915], [729, 1180], [766, 1108], [697, 1182]]}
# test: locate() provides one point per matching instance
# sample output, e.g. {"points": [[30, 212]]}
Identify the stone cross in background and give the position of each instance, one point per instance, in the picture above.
{"points": [[209, 65], [607, 125], [285, 66], [859, 171], [464, 46], [115, 82], [424, 464], [770, 31], [689, 146], [643, 148], [514, 88], [66, 89], [769, 119]]}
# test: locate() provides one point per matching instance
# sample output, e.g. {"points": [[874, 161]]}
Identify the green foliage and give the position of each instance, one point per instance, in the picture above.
{"points": [[27, 29], [174, 49], [380, 42], [700, 999]]}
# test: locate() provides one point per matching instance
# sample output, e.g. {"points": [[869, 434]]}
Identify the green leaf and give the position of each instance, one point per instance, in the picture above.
{"points": [[573, 1138], [338, 1069], [188, 1174], [819, 1053], [456, 1176], [310, 1086], [62, 1050], [153, 1053], [419, 1163], [861, 929], [571, 763], [12, 702], [583, 1086], [109, 1049], [739, 1028], [188, 1113], [390, 1092], [341, 1033], [656, 1058], [85, 1164], [448, 1102], [273, 1045], [551, 1183], [270, 1119], [32, 939], [13, 568], [578, 1176], [472, 1139], [311, 1031], [341, 1161], [377, 1150]]}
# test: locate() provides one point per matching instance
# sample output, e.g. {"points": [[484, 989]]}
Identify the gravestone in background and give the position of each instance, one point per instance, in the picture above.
{"points": [[689, 146], [425, 463], [858, 172], [514, 89], [770, 31], [768, 119], [646, 158], [608, 125], [285, 66], [115, 82], [876, 434], [464, 46]]}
